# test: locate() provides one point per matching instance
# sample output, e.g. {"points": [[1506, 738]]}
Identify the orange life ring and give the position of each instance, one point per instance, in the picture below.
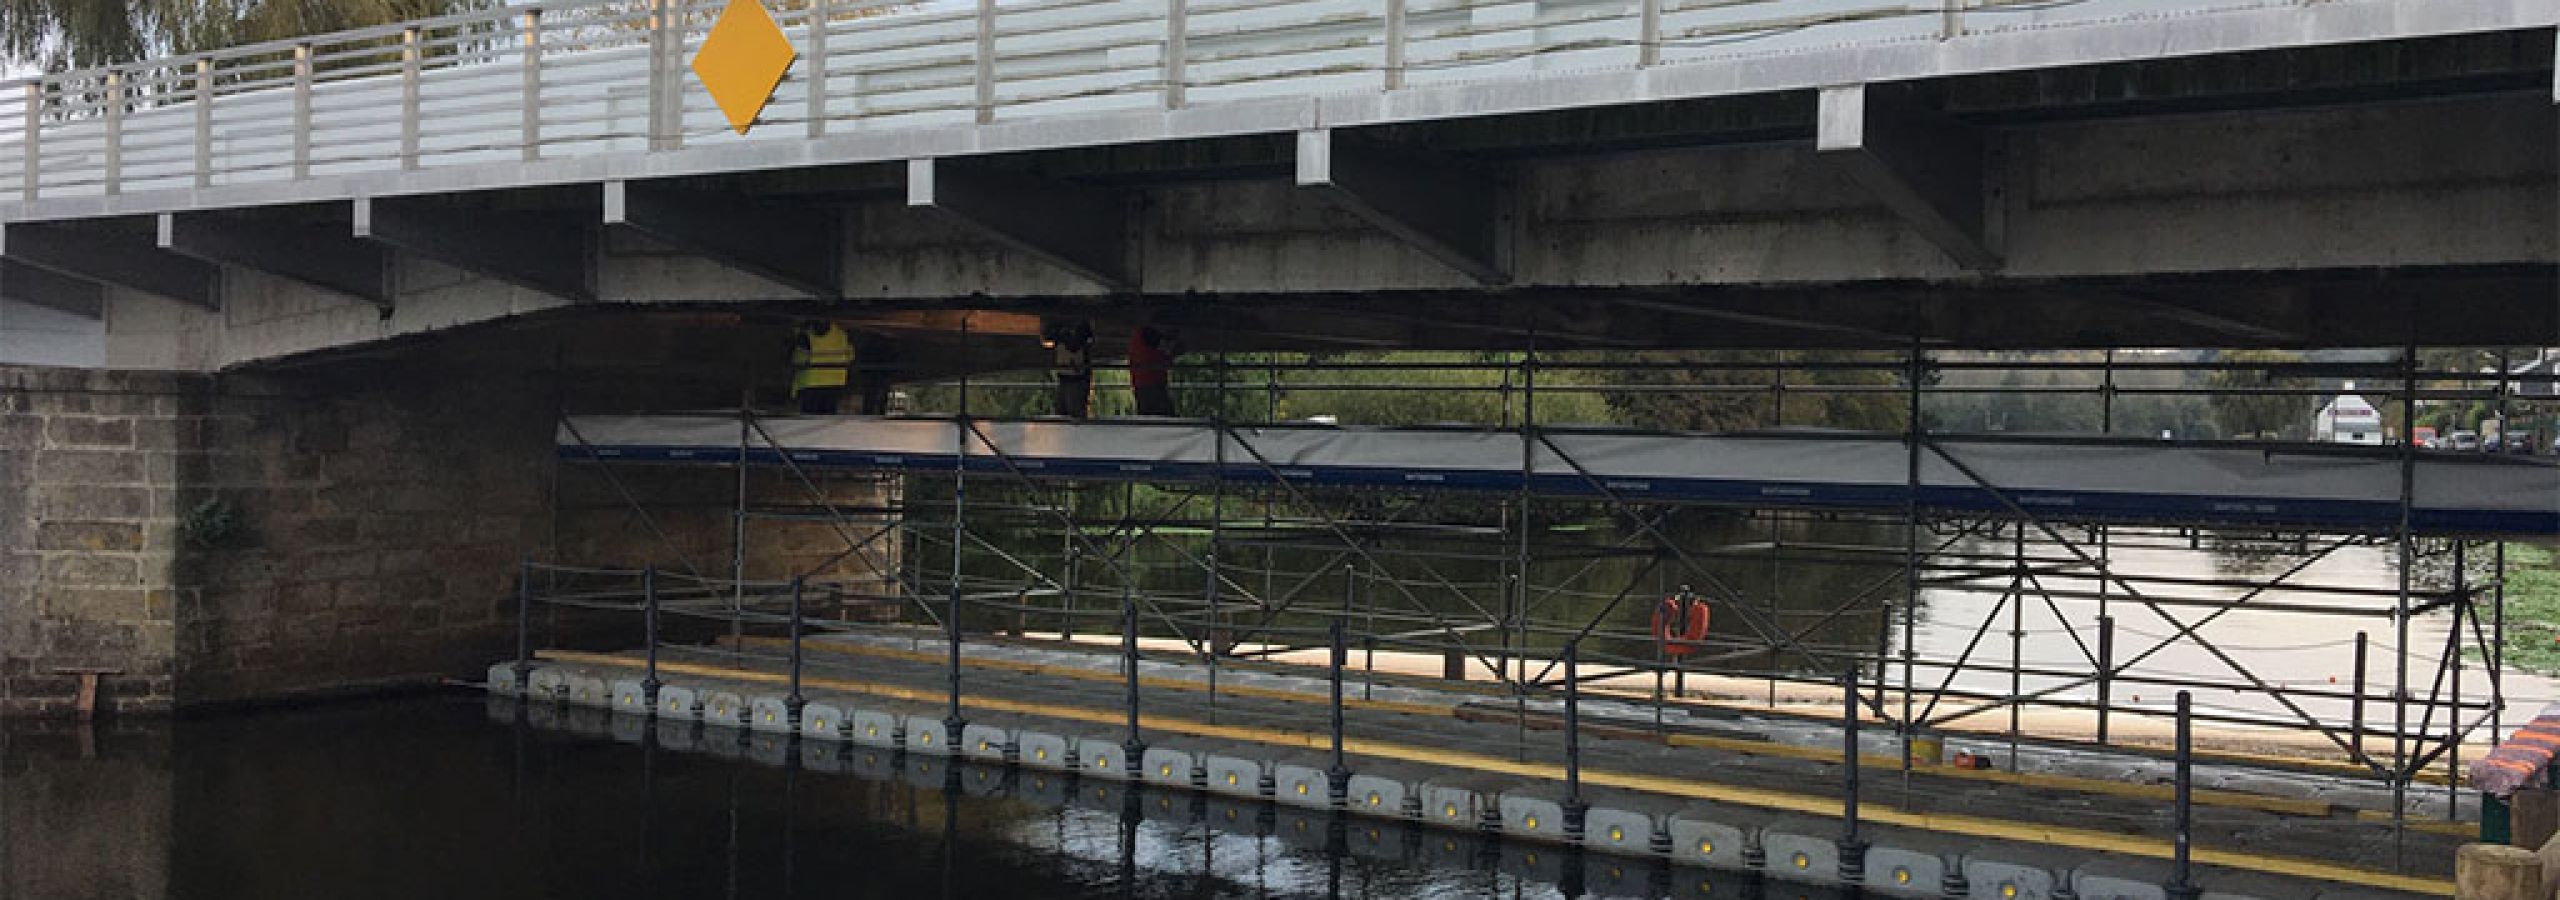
{"points": [[1680, 624]]}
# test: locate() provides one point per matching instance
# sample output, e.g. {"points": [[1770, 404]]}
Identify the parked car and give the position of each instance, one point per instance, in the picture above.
{"points": [[2463, 440]]}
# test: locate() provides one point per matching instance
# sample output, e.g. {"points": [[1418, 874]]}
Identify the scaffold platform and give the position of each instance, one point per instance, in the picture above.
{"points": [[2307, 486]]}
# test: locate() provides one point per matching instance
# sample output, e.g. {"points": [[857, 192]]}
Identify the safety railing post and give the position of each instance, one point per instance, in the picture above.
{"points": [[524, 626], [649, 682], [1338, 772], [1394, 38], [1134, 748], [204, 123], [411, 63], [1574, 807], [31, 140], [821, 14], [302, 78], [114, 174], [1853, 849], [532, 101], [2181, 881], [2355, 702], [1649, 34], [985, 79], [792, 702], [2106, 672], [1177, 27]]}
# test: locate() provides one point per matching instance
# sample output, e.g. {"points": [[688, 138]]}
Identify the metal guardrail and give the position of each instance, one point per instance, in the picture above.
{"points": [[581, 77]]}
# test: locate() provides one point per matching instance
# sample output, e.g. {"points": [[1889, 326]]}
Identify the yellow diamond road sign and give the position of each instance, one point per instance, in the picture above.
{"points": [[742, 60]]}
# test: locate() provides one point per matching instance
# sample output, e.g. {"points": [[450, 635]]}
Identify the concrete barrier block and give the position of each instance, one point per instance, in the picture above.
{"points": [[588, 690], [768, 713], [1042, 750], [543, 715], [1905, 872], [1101, 758], [822, 756], [1698, 840], [1993, 879], [628, 728], [1042, 787], [929, 735], [724, 708], [2115, 887], [1236, 815], [1798, 856], [875, 728], [986, 743], [1299, 784], [1171, 767], [2497, 872], [769, 748], [1465, 802], [1621, 832], [930, 771], [1531, 815], [502, 679], [1380, 840], [679, 734], [629, 697], [985, 780], [1236, 776], [548, 683], [872, 763], [824, 722], [676, 701], [1381, 795]]}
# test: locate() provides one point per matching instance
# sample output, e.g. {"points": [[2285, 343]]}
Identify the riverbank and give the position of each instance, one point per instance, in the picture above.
{"points": [[2533, 610]]}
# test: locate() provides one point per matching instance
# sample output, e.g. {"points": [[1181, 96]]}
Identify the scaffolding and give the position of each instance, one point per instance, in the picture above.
{"points": [[1543, 582]]}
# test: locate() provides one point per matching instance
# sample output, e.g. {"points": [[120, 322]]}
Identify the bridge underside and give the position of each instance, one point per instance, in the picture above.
{"points": [[2361, 195]]}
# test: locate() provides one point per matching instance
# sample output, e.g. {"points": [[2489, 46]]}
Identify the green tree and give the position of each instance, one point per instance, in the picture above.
{"points": [[1719, 396], [73, 34], [2245, 415]]}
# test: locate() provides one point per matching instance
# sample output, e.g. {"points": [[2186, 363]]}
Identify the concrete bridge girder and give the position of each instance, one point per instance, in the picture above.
{"points": [[2118, 228]]}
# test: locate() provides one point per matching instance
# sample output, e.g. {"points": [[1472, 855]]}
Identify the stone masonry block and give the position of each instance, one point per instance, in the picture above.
{"points": [[113, 537], [92, 503], [88, 467], [93, 570], [87, 431]]}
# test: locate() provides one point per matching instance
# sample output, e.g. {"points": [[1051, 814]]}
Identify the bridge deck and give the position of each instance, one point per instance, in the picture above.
{"points": [[2288, 486]]}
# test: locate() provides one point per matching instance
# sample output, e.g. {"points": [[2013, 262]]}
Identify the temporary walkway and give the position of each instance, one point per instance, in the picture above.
{"points": [[2312, 487]]}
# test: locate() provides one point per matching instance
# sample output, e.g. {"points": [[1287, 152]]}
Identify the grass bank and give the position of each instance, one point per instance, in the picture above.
{"points": [[2533, 610]]}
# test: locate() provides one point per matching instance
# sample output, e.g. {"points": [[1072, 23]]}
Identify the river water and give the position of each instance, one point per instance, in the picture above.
{"points": [[428, 797]]}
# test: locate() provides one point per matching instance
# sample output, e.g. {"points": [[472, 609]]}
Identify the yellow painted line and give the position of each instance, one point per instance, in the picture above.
{"points": [[2431, 826], [2202, 796], [1084, 674], [2206, 797], [1946, 823]]}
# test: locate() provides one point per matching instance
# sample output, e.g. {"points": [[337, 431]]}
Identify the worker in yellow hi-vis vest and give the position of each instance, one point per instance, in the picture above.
{"points": [[821, 367]]}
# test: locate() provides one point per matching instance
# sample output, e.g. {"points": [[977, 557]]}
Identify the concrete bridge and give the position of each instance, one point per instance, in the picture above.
{"points": [[1325, 173]]}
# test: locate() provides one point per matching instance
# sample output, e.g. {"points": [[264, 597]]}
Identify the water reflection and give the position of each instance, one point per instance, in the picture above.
{"points": [[425, 798]]}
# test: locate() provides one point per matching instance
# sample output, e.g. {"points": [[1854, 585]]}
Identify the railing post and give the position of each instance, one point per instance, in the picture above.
{"points": [[2355, 704], [1853, 849], [665, 119], [2181, 885], [114, 179], [1395, 44], [1575, 809], [1177, 28], [649, 682], [301, 111], [532, 85], [792, 702], [33, 139], [986, 76], [204, 123], [1134, 748], [1338, 773], [1649, 34], [821, 14], [412, 60], [2106, 672], [524, 626]]}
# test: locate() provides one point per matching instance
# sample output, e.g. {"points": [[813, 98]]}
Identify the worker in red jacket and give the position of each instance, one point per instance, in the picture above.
{"points": [[1151, 353]]}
